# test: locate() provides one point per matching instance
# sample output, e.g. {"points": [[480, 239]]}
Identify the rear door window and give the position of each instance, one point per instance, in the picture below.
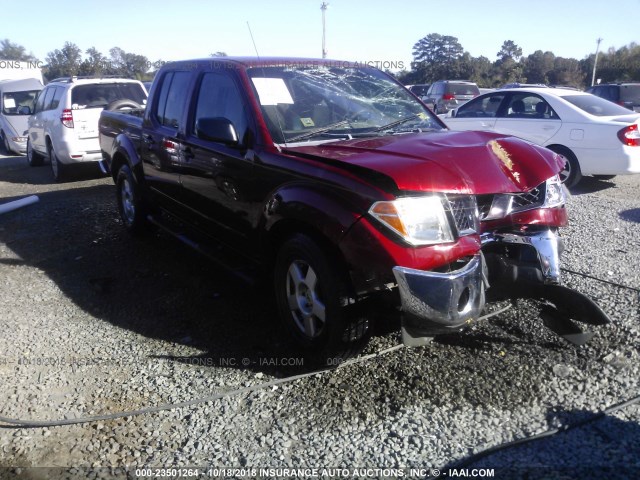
{"points": [[40, 101], [486, 107], [48, 98], [172, 100], [55, 101]]}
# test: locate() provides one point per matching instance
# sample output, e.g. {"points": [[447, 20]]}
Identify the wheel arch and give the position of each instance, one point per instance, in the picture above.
{"points": [[576, 173], [124, 153]]}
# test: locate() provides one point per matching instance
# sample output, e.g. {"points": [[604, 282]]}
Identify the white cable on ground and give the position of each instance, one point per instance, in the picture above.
{"points": [[22, 202]]}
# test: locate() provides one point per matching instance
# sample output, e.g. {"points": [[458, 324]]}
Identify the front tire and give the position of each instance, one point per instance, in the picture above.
{"points": [[309, 288], [130, 205]]}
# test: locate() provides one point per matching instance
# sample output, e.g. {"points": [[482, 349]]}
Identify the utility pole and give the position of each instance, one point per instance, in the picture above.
{"points": [[323, 7], [595, 62]]}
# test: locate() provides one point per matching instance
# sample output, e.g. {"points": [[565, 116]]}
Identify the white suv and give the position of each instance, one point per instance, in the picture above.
{"points": [[64, 124]]}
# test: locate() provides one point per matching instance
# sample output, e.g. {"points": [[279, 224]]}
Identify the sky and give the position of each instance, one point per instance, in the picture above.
{"points": [[374, 31]]}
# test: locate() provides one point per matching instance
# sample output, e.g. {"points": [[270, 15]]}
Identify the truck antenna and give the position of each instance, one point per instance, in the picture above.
{"points": [[264, 75], [252, 40]]}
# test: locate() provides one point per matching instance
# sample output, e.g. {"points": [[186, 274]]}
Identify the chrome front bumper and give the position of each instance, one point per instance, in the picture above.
{"points": [[547, 244], [435, 302]]}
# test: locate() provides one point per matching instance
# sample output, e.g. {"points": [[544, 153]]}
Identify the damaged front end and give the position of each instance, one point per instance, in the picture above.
{"points": [[522, 247], [520, 258]]}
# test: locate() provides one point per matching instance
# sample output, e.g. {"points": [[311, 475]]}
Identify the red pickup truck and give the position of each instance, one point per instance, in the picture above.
{"points": [[344, 187]]}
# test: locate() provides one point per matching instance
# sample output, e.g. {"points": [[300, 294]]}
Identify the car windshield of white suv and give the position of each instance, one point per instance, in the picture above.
{"points": [[319, 102], [13, 101], [596, 105], [102, 94]]}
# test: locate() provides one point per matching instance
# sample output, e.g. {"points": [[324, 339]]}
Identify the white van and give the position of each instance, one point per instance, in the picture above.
{"points": [[64, 124], [20, 70], [17, 100]]}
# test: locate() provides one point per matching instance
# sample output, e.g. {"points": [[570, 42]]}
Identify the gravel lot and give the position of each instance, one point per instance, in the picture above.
{"points": [[96, 322]]}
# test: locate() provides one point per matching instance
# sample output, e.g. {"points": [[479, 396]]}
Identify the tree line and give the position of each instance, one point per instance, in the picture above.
{"points": [[438, 57], [435, 57]]}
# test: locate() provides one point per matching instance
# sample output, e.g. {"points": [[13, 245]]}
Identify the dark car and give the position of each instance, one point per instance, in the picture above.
{"points": [[444, 95], [624, 94]]}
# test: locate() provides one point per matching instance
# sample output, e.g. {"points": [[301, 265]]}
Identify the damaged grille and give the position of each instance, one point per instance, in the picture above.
{"points": [[464, 212], [518, 201], [532, 198]]}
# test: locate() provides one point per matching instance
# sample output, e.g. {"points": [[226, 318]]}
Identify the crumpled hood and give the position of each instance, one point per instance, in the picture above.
{"points": [[452, 162]]}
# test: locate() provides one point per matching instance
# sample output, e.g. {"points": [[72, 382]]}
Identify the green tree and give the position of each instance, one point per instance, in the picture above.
{"points": [[13, 51], [64, 62], [509, 50], [537, 66], [567, 72], [437, 56], [95, 64], [128, 64], [508, 68]]}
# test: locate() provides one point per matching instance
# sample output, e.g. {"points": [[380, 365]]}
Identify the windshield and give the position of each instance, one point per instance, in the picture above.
{"points": [[596, 105], [311, 103], [100, 95], [12, 101]]}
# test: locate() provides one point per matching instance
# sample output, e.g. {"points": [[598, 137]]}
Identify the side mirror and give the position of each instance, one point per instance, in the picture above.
{"points": [[24, 110], [453, 112], [217, 129]]}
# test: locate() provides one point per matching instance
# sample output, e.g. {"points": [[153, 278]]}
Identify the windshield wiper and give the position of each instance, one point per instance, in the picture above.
{"points": [[317, 131], [396, 123]]}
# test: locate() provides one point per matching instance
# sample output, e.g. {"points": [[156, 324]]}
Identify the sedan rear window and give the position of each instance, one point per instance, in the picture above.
{"points": [[596, 106], [102, 94]]}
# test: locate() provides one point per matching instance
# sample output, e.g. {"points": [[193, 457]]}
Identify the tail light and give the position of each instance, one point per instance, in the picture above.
{"points": [[448, 96], [630, 135], [67, 118]]}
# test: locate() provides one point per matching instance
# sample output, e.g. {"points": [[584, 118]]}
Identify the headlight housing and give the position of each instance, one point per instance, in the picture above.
{"points": [[418, 220], [549, 194]]}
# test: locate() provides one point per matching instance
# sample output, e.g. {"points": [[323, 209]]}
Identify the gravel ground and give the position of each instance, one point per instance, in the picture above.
{"points": [[95, 322]]}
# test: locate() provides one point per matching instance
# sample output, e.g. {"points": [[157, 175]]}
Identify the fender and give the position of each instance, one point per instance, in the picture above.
{"points": [[125, 151], [327, 211]]}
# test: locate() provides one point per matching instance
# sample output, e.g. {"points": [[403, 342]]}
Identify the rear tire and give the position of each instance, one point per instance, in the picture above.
{"points": [[34, 159], [58, 169], [571, 174], [130, 204], [309, 288]]}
